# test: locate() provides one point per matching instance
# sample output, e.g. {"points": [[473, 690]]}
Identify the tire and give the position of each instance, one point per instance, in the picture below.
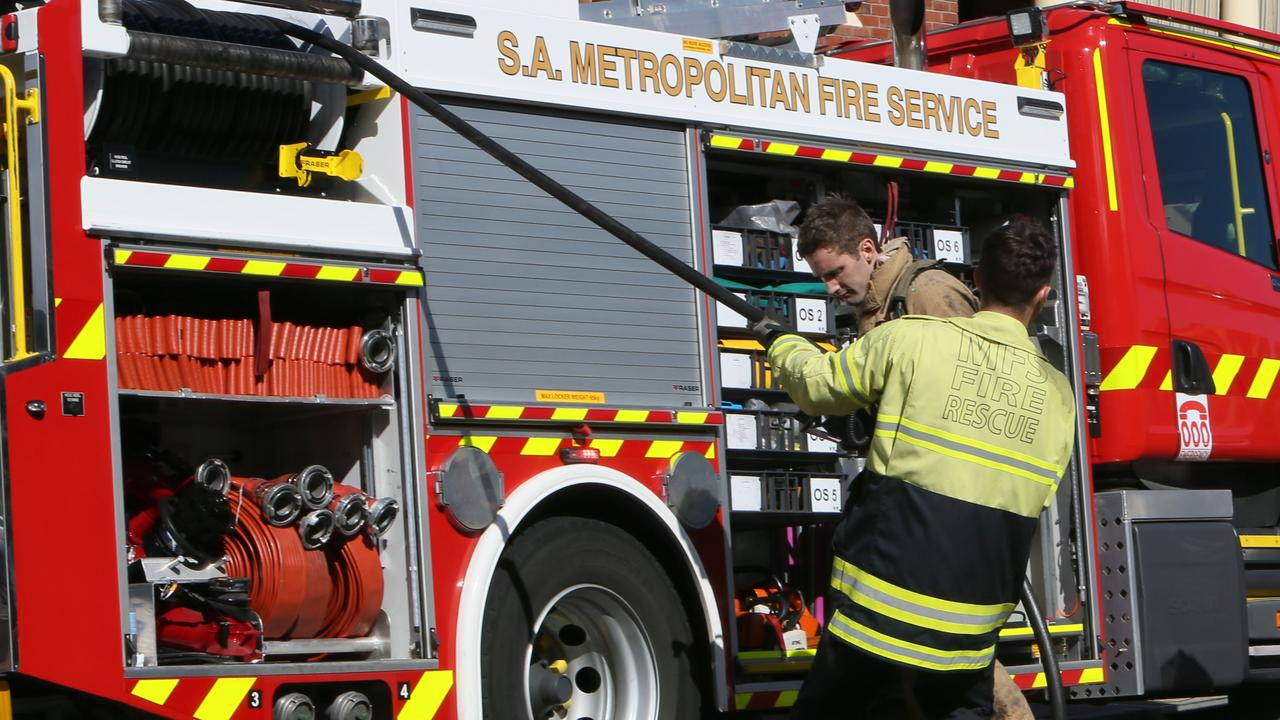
{"points": [[580, 608]]}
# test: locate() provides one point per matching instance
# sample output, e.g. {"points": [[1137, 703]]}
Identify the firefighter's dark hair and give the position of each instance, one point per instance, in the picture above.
{"points": [[1018, 259], [837, 224]]}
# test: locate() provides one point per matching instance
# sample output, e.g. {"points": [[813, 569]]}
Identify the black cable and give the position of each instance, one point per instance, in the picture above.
{"points": [[527, 171], [1052, 679]]}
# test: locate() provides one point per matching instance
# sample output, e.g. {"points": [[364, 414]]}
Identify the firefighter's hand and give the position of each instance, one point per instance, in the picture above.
{"points": [[767, 330], [851, 432]]}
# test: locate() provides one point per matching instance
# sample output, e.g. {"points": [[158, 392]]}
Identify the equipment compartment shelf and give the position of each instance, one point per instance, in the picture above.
{"points": [[760, 662], [774, 493], [736, 272], [775, 432], [807, 314], [382, 402]]}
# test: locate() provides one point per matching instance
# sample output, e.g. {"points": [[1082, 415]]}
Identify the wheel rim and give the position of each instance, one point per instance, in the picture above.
{"points": [[592, 637]]}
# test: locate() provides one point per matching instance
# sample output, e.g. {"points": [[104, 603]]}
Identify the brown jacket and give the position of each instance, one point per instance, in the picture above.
{"points": [[933, 292]]}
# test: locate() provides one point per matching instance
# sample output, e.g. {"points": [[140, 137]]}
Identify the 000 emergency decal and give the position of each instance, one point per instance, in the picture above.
{"points": [[1195, 434]]}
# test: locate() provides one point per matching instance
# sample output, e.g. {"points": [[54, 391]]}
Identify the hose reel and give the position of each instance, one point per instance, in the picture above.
{"points": [[203, 97]]}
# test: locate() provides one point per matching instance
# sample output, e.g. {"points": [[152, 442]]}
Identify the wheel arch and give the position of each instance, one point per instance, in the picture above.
{"points": [[613, 497]]}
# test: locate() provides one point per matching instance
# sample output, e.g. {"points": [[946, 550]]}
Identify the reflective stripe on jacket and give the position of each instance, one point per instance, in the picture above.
{"points": [[973, 432]]}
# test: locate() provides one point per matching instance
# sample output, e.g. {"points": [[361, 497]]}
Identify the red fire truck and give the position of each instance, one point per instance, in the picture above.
{"points": [[352, 419]]}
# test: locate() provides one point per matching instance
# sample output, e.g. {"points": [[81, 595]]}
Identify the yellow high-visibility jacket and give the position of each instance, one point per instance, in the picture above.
{"points": [[974, 430]]}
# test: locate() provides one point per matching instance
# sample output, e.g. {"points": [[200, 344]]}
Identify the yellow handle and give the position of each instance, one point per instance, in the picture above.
{"points": [[1238, 212], [30, 104], [346, 165]]}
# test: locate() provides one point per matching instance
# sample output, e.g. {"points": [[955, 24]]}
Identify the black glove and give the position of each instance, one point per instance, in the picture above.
{"points": [[857, 430], [851, 432], [767, 330]]}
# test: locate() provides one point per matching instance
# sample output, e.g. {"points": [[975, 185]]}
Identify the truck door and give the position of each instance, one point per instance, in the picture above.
{"points": [[1206, 161], [25, 290]]}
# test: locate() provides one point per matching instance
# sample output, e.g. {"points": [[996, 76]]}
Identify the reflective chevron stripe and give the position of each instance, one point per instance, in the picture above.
{"points": [[1146, 367], [264, 266], [897, 162], [455, 411]]}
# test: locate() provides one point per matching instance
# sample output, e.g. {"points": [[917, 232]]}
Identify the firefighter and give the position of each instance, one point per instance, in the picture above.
{"points": [[973, 431], [838, 241]]}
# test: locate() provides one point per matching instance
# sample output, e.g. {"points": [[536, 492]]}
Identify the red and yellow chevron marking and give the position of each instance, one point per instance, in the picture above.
{"points": [[203, 698], [244, 697], [767, 700], [454, 411], [81, 329], [609, 448], [427, 695], [1082, 676], [895, 162], [266, 267], [1146, 367]]}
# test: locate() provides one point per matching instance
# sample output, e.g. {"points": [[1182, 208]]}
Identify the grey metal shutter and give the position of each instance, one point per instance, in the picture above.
{"points": [[523, 294]]}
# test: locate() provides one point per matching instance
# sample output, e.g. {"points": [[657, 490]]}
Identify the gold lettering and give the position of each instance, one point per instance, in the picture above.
{"points": [[692, 75], [628, 59], [736, 97], [779, 94], [671, 75], [931, 112], [800, 92], [913, 109], [582, 64], [715, 70], [951, 113], [607, 59], [896, 112], [507, 44], [541, 60], [850, 92], [989, 120], [972, 117], [759, 75], [827, 94], [871, 102], [649, 70]]}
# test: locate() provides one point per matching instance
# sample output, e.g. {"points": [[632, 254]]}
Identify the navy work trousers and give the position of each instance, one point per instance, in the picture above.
{"points": [[848, 683]]}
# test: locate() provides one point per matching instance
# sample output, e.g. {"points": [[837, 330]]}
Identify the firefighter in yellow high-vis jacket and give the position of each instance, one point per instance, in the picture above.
{"points": [[973, 432]]}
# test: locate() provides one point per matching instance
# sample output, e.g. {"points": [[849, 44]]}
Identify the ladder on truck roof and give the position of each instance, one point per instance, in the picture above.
{"points": [[714, 18]]}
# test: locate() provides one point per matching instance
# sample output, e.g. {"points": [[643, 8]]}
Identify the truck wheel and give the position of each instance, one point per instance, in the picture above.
{"points": [[583, 623]]}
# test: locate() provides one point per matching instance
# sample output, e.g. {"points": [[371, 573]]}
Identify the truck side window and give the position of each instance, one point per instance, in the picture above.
{"points": [[1208, 158]]}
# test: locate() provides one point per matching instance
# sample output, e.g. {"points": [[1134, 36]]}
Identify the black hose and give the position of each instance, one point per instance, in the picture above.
{"points": [[525, 170], [237, 57], [1052, 679]]}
